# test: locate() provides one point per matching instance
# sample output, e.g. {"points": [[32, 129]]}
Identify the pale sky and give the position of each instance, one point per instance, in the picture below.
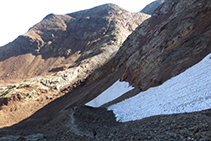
{"points": [[17, 16]]}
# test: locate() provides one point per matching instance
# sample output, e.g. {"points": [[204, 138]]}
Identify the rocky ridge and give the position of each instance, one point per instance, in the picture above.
{"points": [[61, 41], [68, 47], [150, 8]]}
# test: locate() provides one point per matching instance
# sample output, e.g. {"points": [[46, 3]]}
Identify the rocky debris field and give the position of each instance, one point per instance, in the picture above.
{"points": [[77, 123]]}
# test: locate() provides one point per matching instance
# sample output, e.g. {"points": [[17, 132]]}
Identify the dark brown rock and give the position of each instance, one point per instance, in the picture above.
{"points": [[150, 8], [176, 37]]}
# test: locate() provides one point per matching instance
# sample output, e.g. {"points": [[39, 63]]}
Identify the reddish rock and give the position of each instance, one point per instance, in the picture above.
{"points": [[60, 41], [67, 47]]}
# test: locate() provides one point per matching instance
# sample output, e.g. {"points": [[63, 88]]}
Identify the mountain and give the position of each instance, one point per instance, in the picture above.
{"points": [[150, 8], [158, 70], [176, 37], [69, 48], [62, 41]]}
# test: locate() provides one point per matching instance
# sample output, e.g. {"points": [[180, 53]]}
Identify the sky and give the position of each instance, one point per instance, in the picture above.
{"points": [[17, 16], [189, 91]]}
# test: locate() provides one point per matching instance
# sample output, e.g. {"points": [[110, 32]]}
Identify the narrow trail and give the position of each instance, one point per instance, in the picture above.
{"points": [[73, 126]]}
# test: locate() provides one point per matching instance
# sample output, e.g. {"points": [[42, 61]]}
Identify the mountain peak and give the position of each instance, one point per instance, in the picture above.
{"points": [[102, 10], [50, 16]]}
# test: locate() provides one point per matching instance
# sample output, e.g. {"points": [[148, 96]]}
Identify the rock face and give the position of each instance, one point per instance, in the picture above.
{"points": [[176, 37], [150, 8], [67, 47], [60, 41]]}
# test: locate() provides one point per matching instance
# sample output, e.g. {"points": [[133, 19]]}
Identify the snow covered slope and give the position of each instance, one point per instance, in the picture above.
{"points": [[190, 91], [113, 92]]}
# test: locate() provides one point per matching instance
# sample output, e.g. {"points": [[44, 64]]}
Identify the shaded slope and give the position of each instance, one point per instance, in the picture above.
{"points": [[189, 91], [69, 48], [77, 123], [63, 120], [150, 8], [176, 37]]}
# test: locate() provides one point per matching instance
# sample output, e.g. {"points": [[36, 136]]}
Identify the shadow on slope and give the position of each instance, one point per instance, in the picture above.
{"points": [[60, 108], [77, 123]]}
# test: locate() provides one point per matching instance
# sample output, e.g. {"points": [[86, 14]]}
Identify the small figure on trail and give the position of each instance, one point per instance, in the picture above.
{"points": [[94, 133]]}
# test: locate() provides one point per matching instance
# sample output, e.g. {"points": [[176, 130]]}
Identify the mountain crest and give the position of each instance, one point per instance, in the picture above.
{"points": [[99, 11]]}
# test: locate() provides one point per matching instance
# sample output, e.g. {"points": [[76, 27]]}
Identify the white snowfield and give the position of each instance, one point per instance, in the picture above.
{"points": [[113, 92], [187, 92]]}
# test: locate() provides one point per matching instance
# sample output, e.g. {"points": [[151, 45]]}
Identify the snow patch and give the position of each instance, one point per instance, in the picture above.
{"points": [[187, 92], [113, 92]]}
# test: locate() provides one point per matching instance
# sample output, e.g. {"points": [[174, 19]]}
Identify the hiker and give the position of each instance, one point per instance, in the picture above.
{"points": [[94, 133]]}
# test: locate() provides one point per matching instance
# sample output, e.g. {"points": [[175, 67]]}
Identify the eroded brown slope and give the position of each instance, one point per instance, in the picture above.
{"points": [[176, 37], [59, 41], [69, 48]]}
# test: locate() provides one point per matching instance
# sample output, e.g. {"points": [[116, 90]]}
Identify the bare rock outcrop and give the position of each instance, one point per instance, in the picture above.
{"points": [[176, 37]]}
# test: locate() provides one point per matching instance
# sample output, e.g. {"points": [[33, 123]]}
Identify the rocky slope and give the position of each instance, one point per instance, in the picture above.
{"points": [[60, 41], [150, 8], [77, 124], [68, 47], [176, 37]]}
